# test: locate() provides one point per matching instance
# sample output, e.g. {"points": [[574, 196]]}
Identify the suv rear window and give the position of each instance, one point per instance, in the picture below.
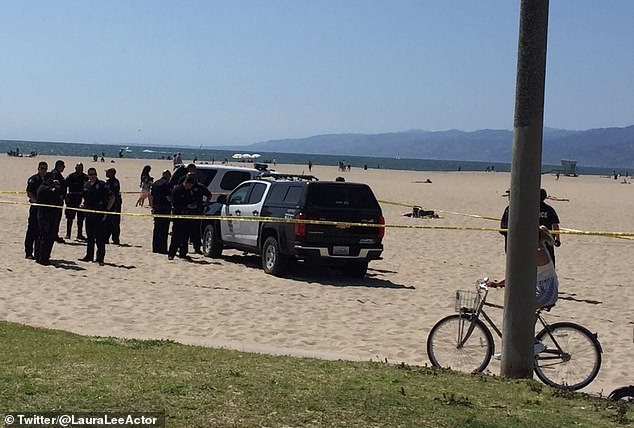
{"points": [[232, 178], [340, 195], [206, 175]]}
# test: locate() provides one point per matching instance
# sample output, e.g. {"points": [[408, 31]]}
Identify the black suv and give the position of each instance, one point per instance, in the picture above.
{"points": [[347, 244]]}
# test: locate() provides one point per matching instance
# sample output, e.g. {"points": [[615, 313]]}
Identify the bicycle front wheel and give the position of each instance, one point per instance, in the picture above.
{"points": [[460, 343], [572, 357]]}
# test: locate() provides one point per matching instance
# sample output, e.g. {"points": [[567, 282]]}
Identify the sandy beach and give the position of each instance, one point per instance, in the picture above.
{"points": [[230, 302]]}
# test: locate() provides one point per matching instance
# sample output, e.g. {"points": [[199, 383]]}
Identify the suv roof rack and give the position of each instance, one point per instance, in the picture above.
{"points": [[283, 176]]}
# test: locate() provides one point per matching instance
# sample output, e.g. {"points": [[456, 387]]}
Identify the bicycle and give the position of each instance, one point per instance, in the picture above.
{"points": [[570, 358]]}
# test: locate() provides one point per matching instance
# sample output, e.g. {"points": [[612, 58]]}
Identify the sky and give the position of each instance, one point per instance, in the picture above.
{"points": [[237, 72]]}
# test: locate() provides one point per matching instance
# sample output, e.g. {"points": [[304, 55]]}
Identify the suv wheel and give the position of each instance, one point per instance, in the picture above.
{"points": [[273, 261], [356, 268], [212, 245]]}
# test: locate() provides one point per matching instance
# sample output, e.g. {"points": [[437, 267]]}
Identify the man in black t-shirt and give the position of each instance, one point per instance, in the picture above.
{"points": [[57, 176]]}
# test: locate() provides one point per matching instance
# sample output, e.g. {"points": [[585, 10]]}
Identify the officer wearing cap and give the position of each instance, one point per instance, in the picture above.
{"points": [[113, 222], [97, 197], [160, 196], [32, 231], [75, 187]]}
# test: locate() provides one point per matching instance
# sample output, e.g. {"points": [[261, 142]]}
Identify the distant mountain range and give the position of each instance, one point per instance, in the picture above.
{"points": [[606, 147]]}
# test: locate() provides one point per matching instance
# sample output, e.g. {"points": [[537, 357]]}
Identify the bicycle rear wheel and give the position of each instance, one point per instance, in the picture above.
{"points": [[578, 362], [461, 343]]}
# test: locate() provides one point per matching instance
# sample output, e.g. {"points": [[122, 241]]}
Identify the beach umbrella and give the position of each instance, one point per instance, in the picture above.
{"points": [[256, 155], [246, 156], [237, 156]]}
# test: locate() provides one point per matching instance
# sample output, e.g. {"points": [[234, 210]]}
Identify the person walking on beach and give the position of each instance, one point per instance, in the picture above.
{"points": [[145, 184], [75, 187], [160, 203], [97, 197], [49, 193], [57, 175], [32, 231], [181, 202], [113, 222]]}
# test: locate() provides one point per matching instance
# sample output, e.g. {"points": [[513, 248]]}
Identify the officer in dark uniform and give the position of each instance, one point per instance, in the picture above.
{"points": [[57, 175], [32, 231], [181, 202], [75, 188], [201, 197], [548, 217], [97, 197], [160, 203], [114, 220], [49, 193]]}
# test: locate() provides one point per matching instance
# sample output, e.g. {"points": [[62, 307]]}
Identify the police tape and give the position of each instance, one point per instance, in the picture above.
{"points": [[339, 224]]}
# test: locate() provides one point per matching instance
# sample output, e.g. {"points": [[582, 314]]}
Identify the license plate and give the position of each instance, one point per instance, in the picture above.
{"points": [[339, 250]]}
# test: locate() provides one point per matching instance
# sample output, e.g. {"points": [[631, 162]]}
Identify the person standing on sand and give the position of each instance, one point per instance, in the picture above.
{"points": [[57, 175], [97, 197], [32, 231], [114, 220], [49, 193], [182, 201], [548, 217], [145, 184], [75, 183], [160, 203]]}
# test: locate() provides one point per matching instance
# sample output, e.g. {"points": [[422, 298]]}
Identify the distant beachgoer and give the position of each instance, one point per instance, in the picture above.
{"points": [[310, 166], [145, 185]]}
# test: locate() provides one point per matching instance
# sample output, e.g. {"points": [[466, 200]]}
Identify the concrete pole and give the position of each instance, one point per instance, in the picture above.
{"points": [[521, 259]]}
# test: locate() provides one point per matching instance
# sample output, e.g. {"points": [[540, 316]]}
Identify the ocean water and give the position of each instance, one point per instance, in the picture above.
{"points": [[204, 154]]}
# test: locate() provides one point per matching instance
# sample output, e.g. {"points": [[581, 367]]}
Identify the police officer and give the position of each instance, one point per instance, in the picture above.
{"points": [[114, 220], [49, 193], [201, 196], [57, 175], [32, 231], [160, 203], [75, 187], [97, 197], [181, 202], [548, 217]]}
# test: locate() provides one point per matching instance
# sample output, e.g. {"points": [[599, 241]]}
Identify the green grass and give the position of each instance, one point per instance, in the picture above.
{"points": [[48, 370]]}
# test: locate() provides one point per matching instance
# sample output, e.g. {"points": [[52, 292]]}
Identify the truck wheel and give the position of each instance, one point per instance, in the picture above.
{"points": [[356, 268], [212, 245], [273, 261]]}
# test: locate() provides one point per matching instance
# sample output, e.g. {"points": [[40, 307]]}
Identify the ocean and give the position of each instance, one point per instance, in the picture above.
{"points": [[204, 154]]}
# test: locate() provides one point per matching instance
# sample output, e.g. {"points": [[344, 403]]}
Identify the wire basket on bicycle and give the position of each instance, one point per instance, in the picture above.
{"points": [[467, 301]]}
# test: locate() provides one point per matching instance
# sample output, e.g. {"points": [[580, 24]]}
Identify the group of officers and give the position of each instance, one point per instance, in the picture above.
{"points": [[180, 195], [173, 199], [86, 198]]}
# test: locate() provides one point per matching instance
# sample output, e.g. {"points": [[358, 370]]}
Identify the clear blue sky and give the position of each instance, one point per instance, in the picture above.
{"points": [[236, 72]]}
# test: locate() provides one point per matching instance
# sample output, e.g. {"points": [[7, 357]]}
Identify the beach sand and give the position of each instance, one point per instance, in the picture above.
{"points": [[230, 302]]}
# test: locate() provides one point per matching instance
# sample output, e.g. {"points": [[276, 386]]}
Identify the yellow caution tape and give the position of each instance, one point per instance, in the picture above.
{"points": [[563, 231]]}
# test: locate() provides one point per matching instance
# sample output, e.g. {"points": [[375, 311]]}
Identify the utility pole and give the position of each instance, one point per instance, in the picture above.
{"points": [[521, 260]]}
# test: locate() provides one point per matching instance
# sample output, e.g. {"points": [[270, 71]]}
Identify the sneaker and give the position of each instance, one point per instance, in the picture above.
{"points": [[170, 257], [85, 259], [497, 357], [29, 256], [67, 236], [60, 240], [81, 238], [538, 347]]}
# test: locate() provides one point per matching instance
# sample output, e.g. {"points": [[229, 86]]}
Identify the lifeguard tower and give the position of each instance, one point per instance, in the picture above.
{"points": [[569, 167]]}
